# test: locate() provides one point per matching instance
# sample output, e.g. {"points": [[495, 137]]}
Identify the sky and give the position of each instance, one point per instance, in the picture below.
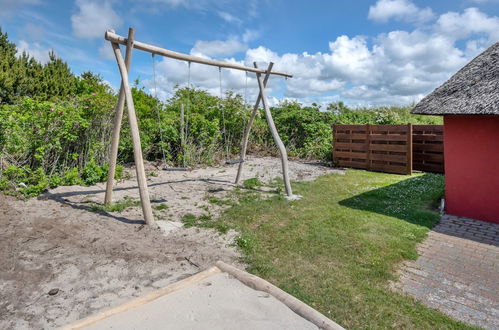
{"points": [[364, 53]]}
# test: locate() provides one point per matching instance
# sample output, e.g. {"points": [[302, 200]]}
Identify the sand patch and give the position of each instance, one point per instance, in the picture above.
{"points": [[88, 261]]}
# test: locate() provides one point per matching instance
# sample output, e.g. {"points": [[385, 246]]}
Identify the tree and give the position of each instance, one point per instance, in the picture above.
{"points": [[7, 61], [22, 75]]}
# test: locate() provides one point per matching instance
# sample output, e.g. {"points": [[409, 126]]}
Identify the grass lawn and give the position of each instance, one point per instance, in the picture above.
{"points": [[337, 248]]}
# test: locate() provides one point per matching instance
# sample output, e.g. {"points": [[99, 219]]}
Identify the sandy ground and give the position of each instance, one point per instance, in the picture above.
{"points": [[217, 302], [186, 192], [60, 262]]}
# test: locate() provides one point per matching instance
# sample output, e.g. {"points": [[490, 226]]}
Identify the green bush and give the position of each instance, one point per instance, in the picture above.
{"points": [[92, 173], [71, 177]]}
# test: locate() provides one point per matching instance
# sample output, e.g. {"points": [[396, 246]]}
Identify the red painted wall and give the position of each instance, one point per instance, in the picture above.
{"points": [[471, 147]]}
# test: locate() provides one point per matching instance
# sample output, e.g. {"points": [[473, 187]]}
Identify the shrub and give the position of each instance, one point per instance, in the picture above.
{"points": [[92, 173], [251, 183]]}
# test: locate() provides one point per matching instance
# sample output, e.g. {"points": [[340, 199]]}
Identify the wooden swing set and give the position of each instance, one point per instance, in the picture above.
{"points": [[126, 95]]}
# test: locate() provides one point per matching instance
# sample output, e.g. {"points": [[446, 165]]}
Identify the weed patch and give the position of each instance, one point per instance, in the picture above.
{"points": [[252, 183], [118, 206]]}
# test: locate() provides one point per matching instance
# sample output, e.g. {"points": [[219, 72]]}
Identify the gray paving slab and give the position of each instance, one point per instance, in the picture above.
{"points": [[457, 271]]}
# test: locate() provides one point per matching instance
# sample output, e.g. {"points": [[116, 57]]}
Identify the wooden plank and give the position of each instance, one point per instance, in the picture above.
{"points": [[432, 128], [396, 169], [388, 147], [333, 158], [429, 157], [353, 164], [389, 128], [346, 154], [389, 158], [388, 137], [367, 144], [427, 137], [409, 149], [428, 147], [350, 146], [351, 136]]}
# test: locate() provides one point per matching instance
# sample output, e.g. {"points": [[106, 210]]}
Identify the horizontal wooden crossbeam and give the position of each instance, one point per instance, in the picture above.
{"points": [[116, 38]]}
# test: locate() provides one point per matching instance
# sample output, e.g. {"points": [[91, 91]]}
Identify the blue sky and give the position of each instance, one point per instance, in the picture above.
{"points": [[380, 52]]}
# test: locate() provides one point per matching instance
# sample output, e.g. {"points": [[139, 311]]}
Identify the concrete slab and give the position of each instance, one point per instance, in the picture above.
{"points": [[221, 297], [217, 302]]}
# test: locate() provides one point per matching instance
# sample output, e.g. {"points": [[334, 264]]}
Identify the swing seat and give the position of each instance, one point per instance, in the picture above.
{"points": [[237, 161], [166, 168]]}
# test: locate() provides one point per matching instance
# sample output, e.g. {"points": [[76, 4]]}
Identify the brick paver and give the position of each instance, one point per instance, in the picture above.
{"points": [[457, 271]]}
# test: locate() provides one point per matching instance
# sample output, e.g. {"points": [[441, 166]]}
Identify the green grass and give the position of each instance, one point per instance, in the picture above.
{"points": [[337, 248], [118, 206], [161, 207], [189, 220], [217, 201], [251, 183]]}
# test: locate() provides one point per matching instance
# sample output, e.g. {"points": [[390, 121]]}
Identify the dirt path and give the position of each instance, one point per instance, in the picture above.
{"points": [[60, 262]]}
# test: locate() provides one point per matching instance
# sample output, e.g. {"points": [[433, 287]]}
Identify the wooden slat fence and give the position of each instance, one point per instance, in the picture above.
{"points": [[389, 148], [384, 148], [428, 148]]}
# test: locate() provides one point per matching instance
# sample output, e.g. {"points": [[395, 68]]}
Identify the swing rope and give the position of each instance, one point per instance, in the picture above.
{"points": [[246, 90], [223, 114], [157, 110], [185, 112]]}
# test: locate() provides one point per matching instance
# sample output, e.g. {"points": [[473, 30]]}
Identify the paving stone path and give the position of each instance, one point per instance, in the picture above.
{"points": [[457, 271]]}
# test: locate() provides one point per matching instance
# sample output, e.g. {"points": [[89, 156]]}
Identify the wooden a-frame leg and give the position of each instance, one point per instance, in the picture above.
{"points": [[137, 149], [117, 122], [275, 134], [244, 142]]}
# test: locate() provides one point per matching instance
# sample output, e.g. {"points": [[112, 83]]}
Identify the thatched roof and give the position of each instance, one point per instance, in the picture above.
{"points": [[473, 90]]}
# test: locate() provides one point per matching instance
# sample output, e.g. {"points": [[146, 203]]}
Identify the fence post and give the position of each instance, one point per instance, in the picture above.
{"points": [[333, 144], [368, 142], [409, 149]]}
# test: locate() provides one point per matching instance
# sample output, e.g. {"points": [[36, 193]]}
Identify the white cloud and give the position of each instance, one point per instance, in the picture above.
{"points": [[159, 6], [171, 3], [218, 47], [106, 51], [231, 46], [471, 21], [350, 59], [33, 32], [484, 1], [94, 18], [398, 67], [250, 35], [229, 18], [40, 53], [402, 10], [9, 7]]}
